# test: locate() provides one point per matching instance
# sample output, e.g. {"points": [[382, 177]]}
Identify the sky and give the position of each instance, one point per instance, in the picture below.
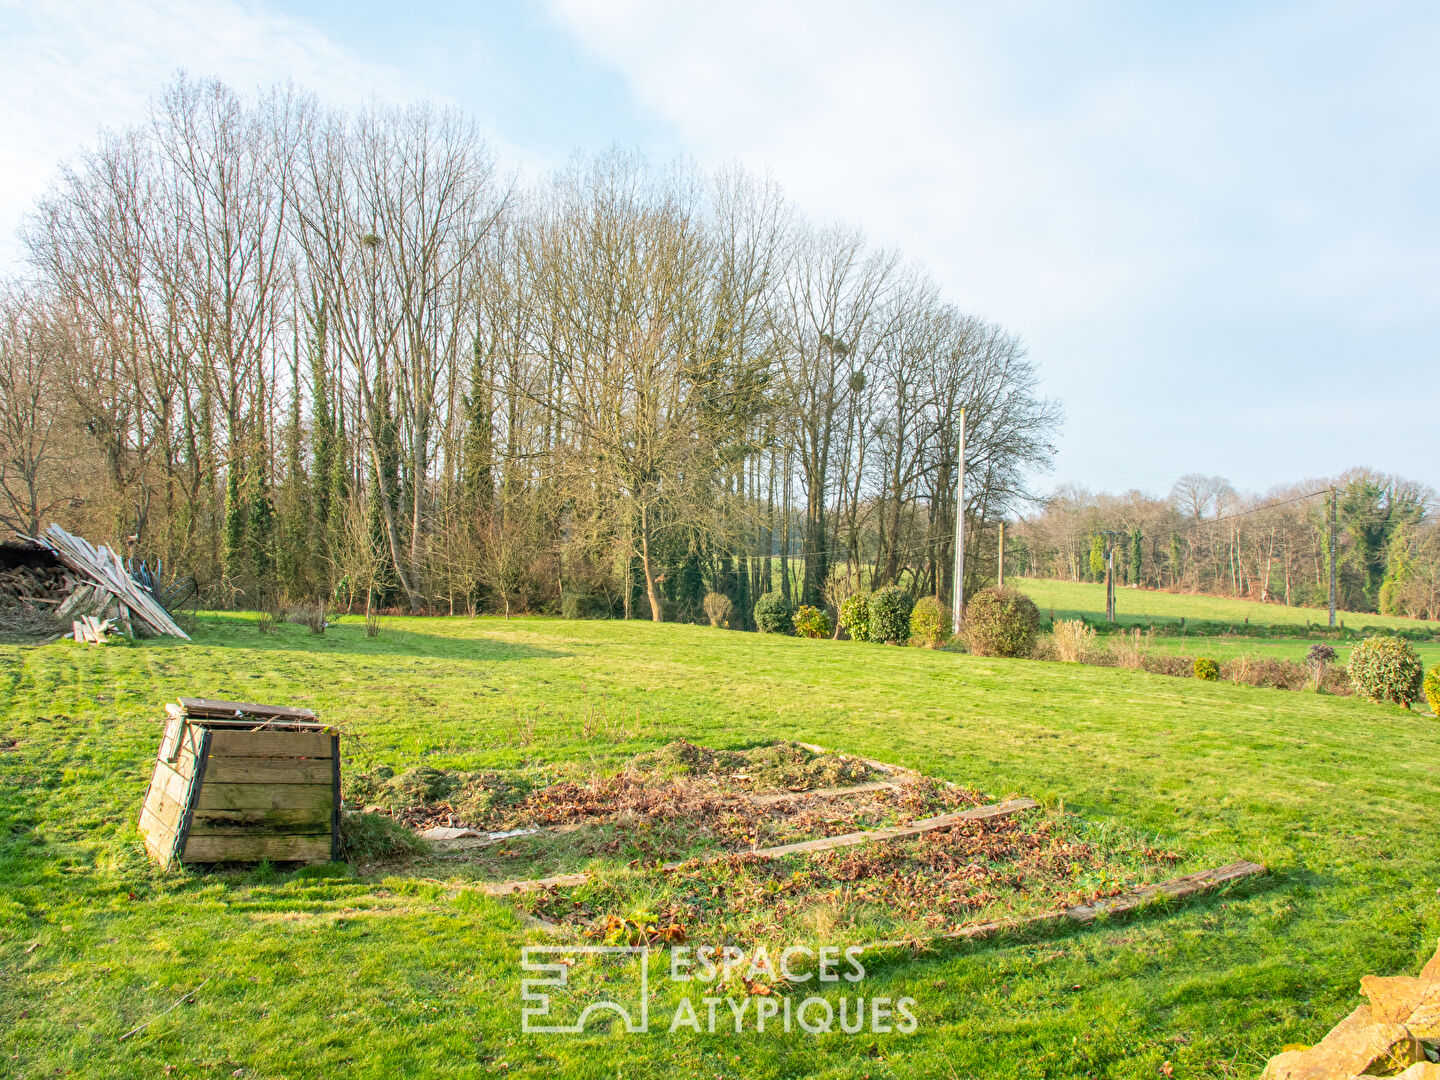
{"points": [[1216, 226]]}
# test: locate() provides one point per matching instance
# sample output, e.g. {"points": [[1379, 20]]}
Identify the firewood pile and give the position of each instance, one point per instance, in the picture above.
{"points": [[59, 584]]}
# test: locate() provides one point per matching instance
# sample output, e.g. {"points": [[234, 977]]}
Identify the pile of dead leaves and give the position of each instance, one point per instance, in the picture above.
{"points": [[942, 880]]}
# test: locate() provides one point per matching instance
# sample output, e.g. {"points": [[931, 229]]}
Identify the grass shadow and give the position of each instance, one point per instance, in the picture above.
{"points": [[238, 631]]}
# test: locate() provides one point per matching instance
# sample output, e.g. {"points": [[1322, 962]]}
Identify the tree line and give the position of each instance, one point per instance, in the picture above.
{"points": [[1207, 537], [304, 353]]}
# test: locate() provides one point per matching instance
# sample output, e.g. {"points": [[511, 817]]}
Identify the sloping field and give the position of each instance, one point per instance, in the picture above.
{"points": [[1138, 607], [392, 970]]}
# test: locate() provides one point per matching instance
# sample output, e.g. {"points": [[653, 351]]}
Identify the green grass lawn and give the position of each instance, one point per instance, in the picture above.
{"points": [[1138, 607], [1144, 607], [390, 971]]}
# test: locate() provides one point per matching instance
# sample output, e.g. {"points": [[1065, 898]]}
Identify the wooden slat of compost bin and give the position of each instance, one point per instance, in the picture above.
{"points": [[215, 796], [300, 822], [208, 707], [270, 744], [250, 770], [167, 798], [205, 849], [159, 835]]}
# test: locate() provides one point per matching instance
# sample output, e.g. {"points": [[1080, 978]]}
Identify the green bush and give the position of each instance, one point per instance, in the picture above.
{"points": [[890, 615], [586, 606], [367, 837], [1386, 669], [855, 616], [1206, 669], [1001, 622], [1432, 689], [772, 614], [718, 608], [929, 623], [812, 622]]}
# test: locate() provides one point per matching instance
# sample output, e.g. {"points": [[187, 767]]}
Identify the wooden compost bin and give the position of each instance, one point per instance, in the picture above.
{"points": [[237, 782]]}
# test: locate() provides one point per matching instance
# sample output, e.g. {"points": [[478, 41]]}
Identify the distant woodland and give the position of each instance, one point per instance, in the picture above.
{"points": [[300, 353], [303, 354], [1207, 537]]}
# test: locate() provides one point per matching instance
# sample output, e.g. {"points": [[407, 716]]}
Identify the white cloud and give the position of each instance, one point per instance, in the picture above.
{"points": [[69, 68], [1170, 204]]}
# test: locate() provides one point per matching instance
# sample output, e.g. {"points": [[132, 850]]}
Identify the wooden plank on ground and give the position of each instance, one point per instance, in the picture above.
{"points": [[284, 848], [892, 832], [559, 881], [207, 707], [822, 793], [249, 770], [221, 796], [280, 744], [1175, 889]]}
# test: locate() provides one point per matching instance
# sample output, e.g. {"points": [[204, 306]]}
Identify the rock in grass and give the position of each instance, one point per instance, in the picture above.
{"points": [[1400, 999], [1356, 1046], [1432, 969]]}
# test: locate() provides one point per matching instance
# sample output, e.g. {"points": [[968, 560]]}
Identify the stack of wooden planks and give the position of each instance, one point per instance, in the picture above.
{"points": [[103, 588], [241, 782]]}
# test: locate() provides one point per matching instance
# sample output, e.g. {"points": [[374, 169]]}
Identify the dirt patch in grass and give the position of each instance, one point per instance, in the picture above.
{"points": [[943, 881], [680, 780]]}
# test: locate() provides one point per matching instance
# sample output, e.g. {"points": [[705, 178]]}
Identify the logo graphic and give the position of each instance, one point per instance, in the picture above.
{"points": [[534, 958]]}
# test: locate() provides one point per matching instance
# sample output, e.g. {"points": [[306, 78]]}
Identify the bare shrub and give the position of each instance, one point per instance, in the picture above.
{"points": [[718, 608], [1045, 649], [265, 622], [372, 624], [1131, 649], [1179, 667], [317, 617], [1074, 641]]}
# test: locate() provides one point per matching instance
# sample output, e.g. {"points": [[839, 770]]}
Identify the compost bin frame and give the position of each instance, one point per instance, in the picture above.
{"points": [[259, 777]]}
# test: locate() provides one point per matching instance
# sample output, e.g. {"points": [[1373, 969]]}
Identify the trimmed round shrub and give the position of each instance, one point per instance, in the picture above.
{"points": [[772, 614], [929, 623], [718, 608], [1432, 689], [811, 621], [1206, 669], [855, 616], [1386, 670], [890, 615], [1001, 622]]}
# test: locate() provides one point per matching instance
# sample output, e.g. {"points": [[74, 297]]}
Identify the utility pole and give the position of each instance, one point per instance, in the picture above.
{"points": [[1109, 579], [1333, 500], [959, 590], [1001, 560], [1110, 536]]}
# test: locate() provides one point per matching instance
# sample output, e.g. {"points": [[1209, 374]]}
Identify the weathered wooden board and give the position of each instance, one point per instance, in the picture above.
{"points": [[265, 786], [219, 796], [206, 707], [277, 744], [249, 770], [281, 848], [168, 797], [159, 835], [250, 822], [895, 832], [892, 832]]}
